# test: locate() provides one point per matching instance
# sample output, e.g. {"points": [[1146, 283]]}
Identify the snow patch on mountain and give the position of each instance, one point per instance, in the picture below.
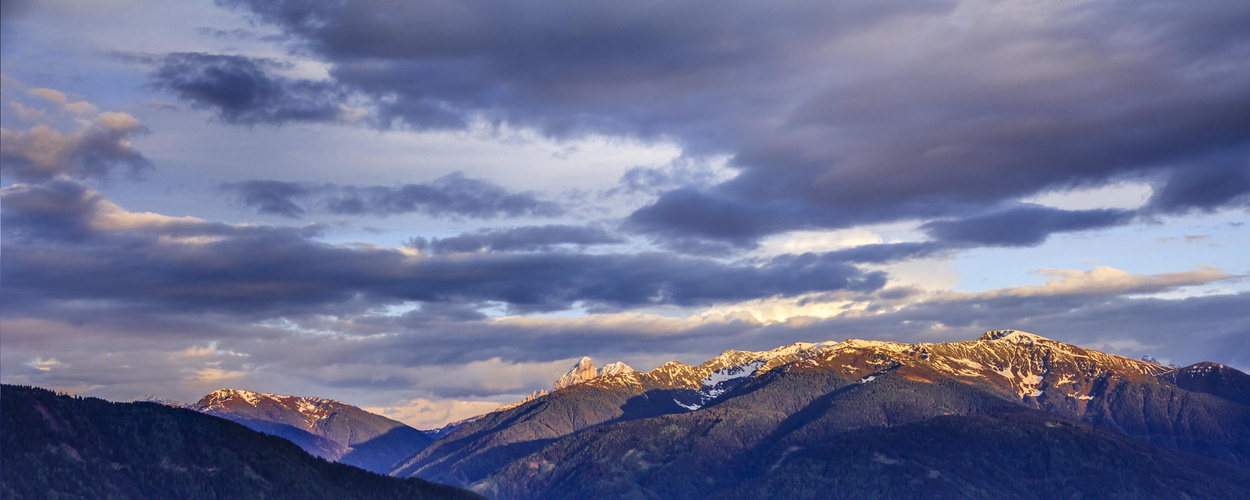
{"points": [[617, 368], [721, 381], [252, 398], [721, 376], [1013, 336], [311, 410]]}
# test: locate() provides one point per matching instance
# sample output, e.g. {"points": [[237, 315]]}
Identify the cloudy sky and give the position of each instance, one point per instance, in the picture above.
{"points": [[428, 208]]}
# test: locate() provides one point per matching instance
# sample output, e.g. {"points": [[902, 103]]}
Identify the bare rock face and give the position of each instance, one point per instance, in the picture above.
{"points": [[585, 371], [533, 395], [582, 371]]}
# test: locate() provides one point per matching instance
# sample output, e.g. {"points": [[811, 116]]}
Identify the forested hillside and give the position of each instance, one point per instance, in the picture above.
{"points": [[57, 446]]}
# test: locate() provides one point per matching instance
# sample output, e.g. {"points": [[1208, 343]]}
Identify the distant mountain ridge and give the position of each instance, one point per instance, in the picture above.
{"points": [[800, 421], [325, 428], [1212, 378], [58, 446], [995, 358], [743, 414]]}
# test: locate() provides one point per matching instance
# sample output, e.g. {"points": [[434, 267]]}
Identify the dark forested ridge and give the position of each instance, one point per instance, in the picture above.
{"points": [[1022, 455], [57, 446]]}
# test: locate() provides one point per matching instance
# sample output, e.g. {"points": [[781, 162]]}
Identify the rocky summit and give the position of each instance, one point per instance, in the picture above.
{"points": [[747, 422]]}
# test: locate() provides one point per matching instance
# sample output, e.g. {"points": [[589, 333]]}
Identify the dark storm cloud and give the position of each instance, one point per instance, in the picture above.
{"points": [[633, 68], [439, 312], [453, 194], [1026, 225], [881, 253], [522, 239], [246, 90], [55, 211], [66, 212], [835, 113], [1223, 181], [687, 213], [450, 195], [66, 244], [685, 217], [271, 197], [682, 172], [13, 9]]}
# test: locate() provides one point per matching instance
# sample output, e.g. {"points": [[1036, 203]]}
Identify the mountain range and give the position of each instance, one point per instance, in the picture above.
{"points": [[1008, 415], [745, 419]]}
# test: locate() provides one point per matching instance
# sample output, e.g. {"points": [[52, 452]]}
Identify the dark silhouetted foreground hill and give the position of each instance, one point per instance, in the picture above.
{"points": [[65, 447]]}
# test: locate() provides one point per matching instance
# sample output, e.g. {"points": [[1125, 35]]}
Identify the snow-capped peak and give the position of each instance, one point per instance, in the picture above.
{"points": [[794, 348], [1014, 336], [220, 396], [617, 368], [585, 371], [222, 400], [582, 371], [1014, 361]]}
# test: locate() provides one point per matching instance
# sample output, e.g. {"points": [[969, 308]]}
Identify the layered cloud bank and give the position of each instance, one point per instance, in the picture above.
{"points": [[208, 304], [433, 207], [836, 115]]}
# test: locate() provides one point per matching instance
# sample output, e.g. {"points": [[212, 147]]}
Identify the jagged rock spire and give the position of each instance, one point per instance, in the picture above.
{"points": [[533, 395], [585, 370], [582, 371]]}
